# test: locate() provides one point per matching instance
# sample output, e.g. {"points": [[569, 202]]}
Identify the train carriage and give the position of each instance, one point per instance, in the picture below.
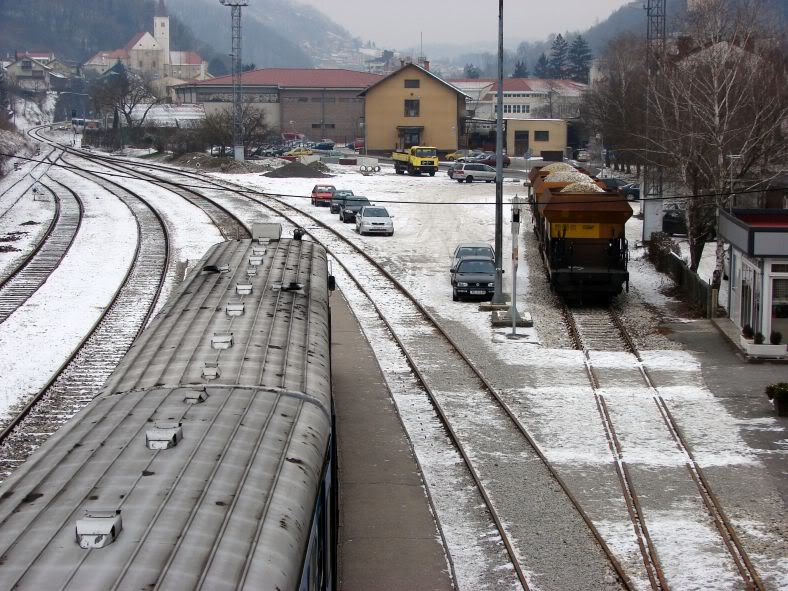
{"points": [[207, 460], [581, 232]]}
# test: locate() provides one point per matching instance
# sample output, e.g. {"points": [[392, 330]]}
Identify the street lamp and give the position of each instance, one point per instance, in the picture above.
{"points": [[498, 297]]}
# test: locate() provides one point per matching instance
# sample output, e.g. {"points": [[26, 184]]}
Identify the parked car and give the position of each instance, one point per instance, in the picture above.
{"points": [[613, 184], [350, 208], [674, 220], [472, 171], [322, 194], [339, 198], [217, 150], [324, 145], [473, 277], [472, 249], [488, 158], [300, 152], [583, 155], [631, 191], [374, 220], [357, 144], [462, 154]]}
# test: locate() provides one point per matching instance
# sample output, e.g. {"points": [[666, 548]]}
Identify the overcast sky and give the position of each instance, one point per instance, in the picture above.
{"points": [[397, 23]]}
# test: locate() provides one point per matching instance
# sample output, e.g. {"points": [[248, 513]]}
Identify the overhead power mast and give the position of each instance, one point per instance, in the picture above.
{"points": [[652, 171], [235, 6]]}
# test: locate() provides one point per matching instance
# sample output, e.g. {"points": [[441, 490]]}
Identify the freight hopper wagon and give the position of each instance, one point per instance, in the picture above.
{"points": [[206, 462], [580, 229]]}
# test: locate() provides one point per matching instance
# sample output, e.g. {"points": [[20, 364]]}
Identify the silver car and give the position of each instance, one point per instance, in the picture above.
{"points": [[472, 171], [374, 220]]}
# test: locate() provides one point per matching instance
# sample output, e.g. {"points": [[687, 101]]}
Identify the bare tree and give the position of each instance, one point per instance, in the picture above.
{"points": [[722, 93], [615, 104], [216, 129], [125, 92]]}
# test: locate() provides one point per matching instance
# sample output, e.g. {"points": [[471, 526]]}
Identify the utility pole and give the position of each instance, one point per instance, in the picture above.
{"points": [[498, 297], [235, 6], [652, 171]]}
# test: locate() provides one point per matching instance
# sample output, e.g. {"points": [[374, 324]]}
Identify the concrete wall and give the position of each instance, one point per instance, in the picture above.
{"points": [[439, 111], [556, 129], [322, 113]]}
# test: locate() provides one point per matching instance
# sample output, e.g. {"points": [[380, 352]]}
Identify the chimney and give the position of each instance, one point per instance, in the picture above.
{"points": [[425, 64], [401, 63]]}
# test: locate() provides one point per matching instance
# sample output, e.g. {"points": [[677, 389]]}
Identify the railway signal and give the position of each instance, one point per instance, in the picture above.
{"points": [[516, 208]]}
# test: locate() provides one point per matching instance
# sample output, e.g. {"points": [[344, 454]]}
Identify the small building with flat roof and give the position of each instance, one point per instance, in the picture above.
{"points": [[758, 268]]}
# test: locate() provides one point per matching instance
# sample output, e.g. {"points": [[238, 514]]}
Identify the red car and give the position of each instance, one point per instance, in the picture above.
{"points": [[488, 158], [322, 194]]}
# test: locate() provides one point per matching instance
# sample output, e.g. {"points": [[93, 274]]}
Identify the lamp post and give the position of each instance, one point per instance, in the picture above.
{"points": [[498, 295]]}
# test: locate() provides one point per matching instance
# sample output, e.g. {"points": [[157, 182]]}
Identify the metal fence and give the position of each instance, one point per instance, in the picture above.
{"points": [[697, 291]]}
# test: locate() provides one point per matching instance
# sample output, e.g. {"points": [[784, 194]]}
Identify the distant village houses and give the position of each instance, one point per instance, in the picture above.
{"points": [[39, 72], [150, 55]]}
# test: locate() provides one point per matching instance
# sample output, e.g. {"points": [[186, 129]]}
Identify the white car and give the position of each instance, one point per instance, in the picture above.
{"points": [[470, 171], [374, 220]]}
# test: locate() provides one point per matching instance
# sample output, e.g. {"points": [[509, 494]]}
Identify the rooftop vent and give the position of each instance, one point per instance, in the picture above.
{"points": [[255, 260], [222, 340], [292, 286], [262, 232], [243, 288], [235, 308], [251, 271], [211, 371], [258, 252], [218, 268], [195, 396], [163, 435], [98, 528]]}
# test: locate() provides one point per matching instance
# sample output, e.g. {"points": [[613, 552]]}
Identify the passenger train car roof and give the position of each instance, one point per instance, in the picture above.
{"points": [[236, 371]]}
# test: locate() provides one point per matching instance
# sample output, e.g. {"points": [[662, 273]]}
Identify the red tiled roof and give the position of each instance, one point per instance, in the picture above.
{"points": [[185, 58], [300, 78], [130, 45]]}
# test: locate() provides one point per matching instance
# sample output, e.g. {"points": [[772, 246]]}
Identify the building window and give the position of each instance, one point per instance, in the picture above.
{"points": [[303, 99], [541, 136], [326, 125], [154, 63], [411, 108], [526, 108], [412, 83]]}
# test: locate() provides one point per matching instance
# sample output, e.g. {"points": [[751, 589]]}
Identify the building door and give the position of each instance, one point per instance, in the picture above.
{"points": [[780, 307], [521, 143]]}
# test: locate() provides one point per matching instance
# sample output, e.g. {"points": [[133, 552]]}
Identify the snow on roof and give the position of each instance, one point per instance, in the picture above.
{"points": [[299, 78], [102, 56], [563, 87], [169, 115]]}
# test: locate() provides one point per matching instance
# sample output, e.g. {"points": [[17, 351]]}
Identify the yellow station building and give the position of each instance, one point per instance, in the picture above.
{"points": [[413, 107]]}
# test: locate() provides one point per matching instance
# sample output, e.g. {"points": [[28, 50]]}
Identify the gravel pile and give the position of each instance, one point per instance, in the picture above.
{"points": [[213, 163], [298, 170]]}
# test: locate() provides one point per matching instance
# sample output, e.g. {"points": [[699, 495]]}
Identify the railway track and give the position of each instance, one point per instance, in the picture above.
{"points": [[471, 444], [39, 168], [590, 330], [603, 329], [81, 376], [34, 270]]}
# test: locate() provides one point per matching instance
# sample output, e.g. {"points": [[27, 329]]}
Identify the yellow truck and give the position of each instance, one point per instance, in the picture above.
{"points": [[415, 160]]}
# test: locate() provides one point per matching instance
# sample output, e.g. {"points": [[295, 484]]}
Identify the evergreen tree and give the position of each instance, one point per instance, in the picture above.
{"points": [[472, 71], [579, 60], [520, 69], [542, 67], [559, 57]]}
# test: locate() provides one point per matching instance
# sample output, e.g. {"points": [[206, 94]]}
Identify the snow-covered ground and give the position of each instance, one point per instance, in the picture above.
{"points": [[548, 385], [38, 336]]}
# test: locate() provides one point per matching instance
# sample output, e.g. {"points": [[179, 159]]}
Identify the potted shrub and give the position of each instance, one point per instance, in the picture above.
{"points": [[747, 335], [776, 337], [757, 348], [778, 394]]}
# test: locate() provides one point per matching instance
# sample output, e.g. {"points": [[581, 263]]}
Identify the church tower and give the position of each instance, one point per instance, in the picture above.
{"points": [[161, 32]]}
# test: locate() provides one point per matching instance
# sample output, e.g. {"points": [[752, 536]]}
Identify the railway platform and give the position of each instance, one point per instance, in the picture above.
{"points": [[387, 538]]}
